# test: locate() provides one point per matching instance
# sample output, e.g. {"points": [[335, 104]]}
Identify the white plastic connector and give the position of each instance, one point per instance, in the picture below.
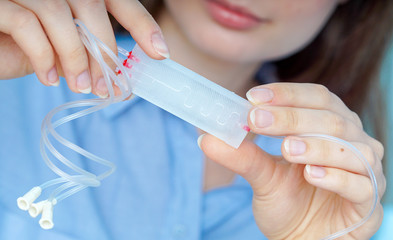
{"points": [[36, 208], [46, 221], [27, 199]]}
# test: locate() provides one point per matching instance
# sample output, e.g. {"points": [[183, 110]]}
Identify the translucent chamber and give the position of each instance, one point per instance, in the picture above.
{"points": [[189, 96]]}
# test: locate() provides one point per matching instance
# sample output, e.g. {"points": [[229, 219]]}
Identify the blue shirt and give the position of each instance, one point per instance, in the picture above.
{"points": [[156, 191]]}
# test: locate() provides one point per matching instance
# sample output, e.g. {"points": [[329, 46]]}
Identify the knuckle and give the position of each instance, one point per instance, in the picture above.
{"points": [[324, 94], [381, 186], [145, 20], [144, 15], [357, 119], [92, 4], [369, 154], [76, 54], [338, 125], [287, 92], [291, 120], [379, 148], [370, 192], [55, 6], [23, 18], [44, 53]]}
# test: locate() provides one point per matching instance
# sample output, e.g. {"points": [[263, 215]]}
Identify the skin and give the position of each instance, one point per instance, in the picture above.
{"points": [[289, 201], [40, 36]]}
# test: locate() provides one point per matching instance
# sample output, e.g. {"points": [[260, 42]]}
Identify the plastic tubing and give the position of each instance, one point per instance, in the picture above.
{"points": [[72, 184], [370, 172], [171, 87], [89, 179]]}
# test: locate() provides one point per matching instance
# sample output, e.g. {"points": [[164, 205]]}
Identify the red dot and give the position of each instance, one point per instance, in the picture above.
{"points": [[129, 55], [247, 128]]}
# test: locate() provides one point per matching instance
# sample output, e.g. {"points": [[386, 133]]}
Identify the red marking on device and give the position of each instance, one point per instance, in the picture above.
{"points": [[132, 57], [127, 64], [246, 128]]}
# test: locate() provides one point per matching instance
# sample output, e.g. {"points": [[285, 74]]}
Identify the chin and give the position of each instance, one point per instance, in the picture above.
{"points": [[225, 44]]}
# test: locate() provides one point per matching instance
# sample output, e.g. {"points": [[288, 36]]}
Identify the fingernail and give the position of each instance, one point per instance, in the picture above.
{"points": [[53, 77], [260, 95], [315, 171], [200, 140], [261, 118], [83, 83], [294, 147], [102, 90], [159, 44]]}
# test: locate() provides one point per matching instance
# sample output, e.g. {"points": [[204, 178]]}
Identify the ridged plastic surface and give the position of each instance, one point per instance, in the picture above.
{"points": [[190, 96]]}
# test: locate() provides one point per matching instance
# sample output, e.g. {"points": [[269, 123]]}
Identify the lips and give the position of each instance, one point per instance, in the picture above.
{"points": [[232, 16]]}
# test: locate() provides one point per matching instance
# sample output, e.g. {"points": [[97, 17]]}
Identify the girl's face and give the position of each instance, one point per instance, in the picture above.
{"points": [[250, 30]]}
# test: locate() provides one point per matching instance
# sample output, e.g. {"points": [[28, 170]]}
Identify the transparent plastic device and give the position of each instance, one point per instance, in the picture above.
{"points": [[167, 85], [189, 96]]}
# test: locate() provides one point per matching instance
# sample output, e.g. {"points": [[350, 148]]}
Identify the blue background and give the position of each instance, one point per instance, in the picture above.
{"points": [[386, 230]]}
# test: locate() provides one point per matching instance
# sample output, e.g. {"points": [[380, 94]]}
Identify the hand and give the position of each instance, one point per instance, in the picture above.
{"points": [[316, 187], [40, 36]]}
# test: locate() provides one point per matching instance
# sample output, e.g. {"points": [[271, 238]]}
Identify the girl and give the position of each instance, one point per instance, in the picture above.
{"points": [[322, 56]]}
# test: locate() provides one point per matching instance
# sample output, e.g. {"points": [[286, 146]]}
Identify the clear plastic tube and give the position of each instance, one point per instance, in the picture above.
{"points": [[60, 189], [70, 145], [75, 183], [52, 182], [370, 172], [173, 88], [70, 192]]}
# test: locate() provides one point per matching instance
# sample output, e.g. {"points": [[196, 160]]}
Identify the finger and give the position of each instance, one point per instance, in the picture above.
{"points": [[356, 189], [314, 151], [249, 161], [57, 20], [23, 26], [283, 121], [301, 95], [145, 31], [13, 62], [353, 187], [94, 15]]}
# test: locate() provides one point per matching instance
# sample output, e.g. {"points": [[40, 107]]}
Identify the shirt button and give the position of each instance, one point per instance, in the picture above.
{"points": [[179, 231]]}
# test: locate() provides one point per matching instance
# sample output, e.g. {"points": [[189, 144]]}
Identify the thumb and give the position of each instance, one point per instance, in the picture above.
{"points": [[249, 161]]}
